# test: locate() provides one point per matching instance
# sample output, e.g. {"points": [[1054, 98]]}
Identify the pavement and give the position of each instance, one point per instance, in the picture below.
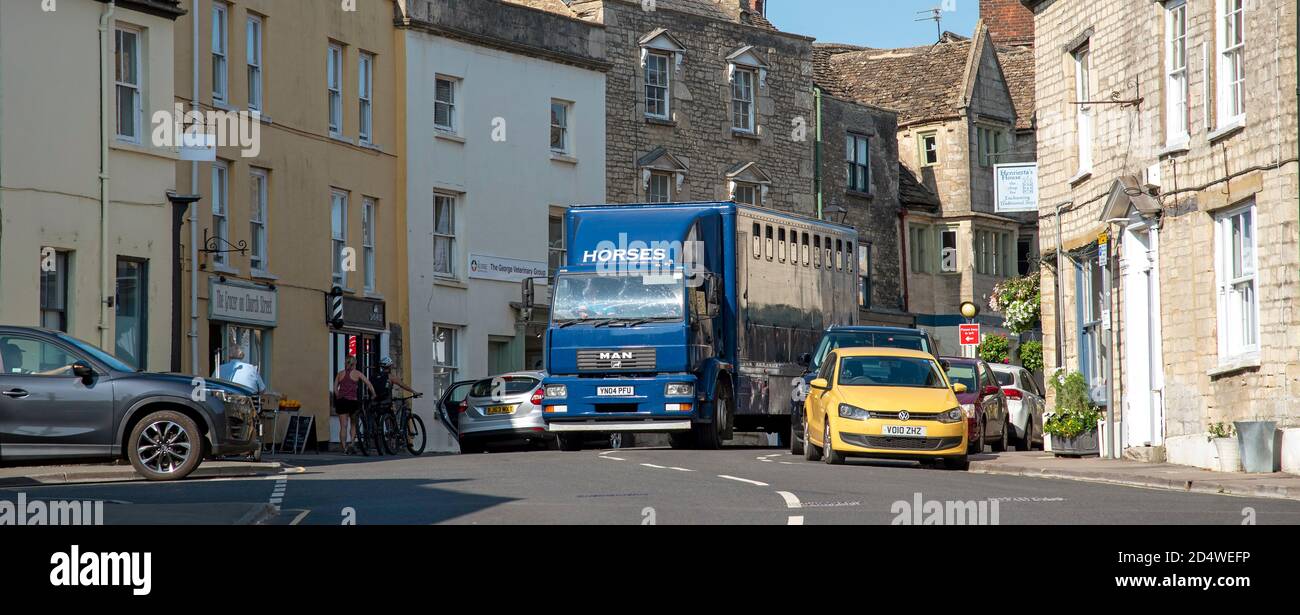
{"points": [[31, 475], [738, 485], [1138, 474]]}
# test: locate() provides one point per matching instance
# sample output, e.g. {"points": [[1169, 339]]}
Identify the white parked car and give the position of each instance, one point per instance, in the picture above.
{"points": [[1025, 404]]}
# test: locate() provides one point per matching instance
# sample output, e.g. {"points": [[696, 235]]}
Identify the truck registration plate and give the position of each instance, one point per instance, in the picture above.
{"points": [[615, 391]]}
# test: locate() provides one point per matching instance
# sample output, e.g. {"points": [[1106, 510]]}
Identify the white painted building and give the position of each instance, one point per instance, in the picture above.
{"points": [[505, 128]]}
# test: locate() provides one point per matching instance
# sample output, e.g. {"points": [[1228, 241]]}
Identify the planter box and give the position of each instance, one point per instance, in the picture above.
{"points": [[1081, 445], [1258, 445], [1229, 454], [1290, 449]]}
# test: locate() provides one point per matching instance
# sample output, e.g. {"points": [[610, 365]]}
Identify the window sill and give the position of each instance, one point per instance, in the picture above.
{"points": [[261, 117], [370, 294], [342, 139], [860, 194], [565, 158], [658, 121], [449, 282], [262, 274], [1080, 177], [172, 154], [222, 268], [224, 106], [1176, 148], [1231, 128], [745, 134], [443, 135], [1234, 365]]}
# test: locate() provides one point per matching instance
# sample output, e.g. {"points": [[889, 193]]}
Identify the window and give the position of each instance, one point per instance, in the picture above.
{"points": [[444, 357], [817, 251], [220, 208], [794, 247], [1231, 76], [948, 250], [921, 239], [444, 104], [826, 244], [780, 245], [660, 188], [368, 219], [746, 193], [339, 235], [220, 81], [993, 254], [25, 356], [560, 126], [132, 322], [857, 157], [258, 211], [365, 94], [1083, 113], [839, 255], [742, 100], [54, 291], [767, 241], [1025, 257], [805, 249], [335, 86], [1238, 283], [757, 236], [991, 144], [444, 234], [657, 86], [864, 276], [127, 71], [253, 35], [1176, 72], [928, 142], [1091, 289], [558, 254]]}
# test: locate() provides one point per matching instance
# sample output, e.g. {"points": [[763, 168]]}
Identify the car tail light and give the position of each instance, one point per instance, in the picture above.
{"points": [[463, 407], [537, 397], [1011, 393]]}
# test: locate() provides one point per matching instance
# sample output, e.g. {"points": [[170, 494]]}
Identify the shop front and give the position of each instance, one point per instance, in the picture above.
{"points": [[358, 328], [242, 317]]}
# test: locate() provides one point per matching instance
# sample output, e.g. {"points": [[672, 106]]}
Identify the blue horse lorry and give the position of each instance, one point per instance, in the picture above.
{"points": [[689, 319]]}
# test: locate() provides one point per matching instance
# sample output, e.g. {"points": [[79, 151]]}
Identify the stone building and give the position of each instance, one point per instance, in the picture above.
{"points": [[1167, 147], [957, 118]]}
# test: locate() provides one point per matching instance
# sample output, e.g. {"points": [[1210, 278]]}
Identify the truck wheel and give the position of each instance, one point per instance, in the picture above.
{"points": [[165, 445], [570, 442], [708, 436], [681, 439], [796, 444]]}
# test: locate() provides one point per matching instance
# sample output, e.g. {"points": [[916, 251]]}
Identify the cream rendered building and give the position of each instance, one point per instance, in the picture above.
{"points": [[85, 223]]}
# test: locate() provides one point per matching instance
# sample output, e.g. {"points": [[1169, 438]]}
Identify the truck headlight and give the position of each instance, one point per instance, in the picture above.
{"points": [[679, 389], [853, 412], [556, 391], [955, 415]]}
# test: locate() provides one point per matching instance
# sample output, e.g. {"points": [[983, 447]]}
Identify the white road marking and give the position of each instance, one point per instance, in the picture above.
{"points": [[791, 501], [302, 515], [743, 480], [682, 469], [651, 465], [613, 458], [787, 463], [795, 520]]}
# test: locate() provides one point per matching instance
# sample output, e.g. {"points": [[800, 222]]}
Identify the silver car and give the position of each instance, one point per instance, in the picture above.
{"points": [[1025, 404], [500, 409]]}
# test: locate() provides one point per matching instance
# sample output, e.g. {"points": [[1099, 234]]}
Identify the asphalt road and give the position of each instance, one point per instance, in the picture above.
{"points": [[759, 486]]}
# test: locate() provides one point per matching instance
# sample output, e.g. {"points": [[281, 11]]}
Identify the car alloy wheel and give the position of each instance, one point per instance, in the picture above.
{"points": [[163, 447]]}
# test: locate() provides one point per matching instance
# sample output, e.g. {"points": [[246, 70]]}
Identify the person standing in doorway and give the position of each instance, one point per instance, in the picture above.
{"points": [[347, 384]]}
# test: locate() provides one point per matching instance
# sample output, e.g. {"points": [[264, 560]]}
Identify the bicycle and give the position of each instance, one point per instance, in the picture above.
{"points": [[364, 430], [402, 428]]}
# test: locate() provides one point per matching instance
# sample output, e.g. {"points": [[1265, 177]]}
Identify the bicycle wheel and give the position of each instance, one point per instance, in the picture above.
{"points": [[361, 421], [416, 438], [389, 436]]}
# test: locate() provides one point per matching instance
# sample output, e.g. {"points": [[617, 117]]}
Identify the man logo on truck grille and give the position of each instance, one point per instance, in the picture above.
{"points": [[607, 356]]}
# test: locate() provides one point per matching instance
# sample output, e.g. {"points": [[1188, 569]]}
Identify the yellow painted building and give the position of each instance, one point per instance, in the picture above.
{"points": [[306, 201]]}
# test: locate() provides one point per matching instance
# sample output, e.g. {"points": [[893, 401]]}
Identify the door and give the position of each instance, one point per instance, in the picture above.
{"points": [[1143, 388], [449, 406], [817, 400], [45, 411]]}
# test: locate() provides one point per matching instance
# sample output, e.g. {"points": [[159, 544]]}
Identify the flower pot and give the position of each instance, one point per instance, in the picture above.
{"points": [[1083, 444], [1229, 454], [1291, 450], [1256, 439]]}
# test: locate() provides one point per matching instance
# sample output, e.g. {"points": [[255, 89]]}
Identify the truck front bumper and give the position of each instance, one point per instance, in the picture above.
{"points": [[645, 409]]}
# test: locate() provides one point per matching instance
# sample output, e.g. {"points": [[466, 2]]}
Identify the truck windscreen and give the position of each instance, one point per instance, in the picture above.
{"points": [[595, 296]]}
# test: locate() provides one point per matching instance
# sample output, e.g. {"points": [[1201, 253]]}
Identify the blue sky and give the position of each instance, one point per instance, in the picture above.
{"points": [[872, 23]]}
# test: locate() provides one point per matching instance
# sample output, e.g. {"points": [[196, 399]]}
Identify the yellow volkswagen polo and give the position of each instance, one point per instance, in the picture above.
{"points": [[884, 402]]}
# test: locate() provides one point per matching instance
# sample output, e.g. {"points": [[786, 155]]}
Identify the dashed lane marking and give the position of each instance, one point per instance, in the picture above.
{"points": [[795, 520], [791, 500], [743, 480]]}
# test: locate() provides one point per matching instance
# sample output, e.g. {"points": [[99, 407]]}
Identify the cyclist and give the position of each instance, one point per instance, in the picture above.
{"points": [[385, 381]]}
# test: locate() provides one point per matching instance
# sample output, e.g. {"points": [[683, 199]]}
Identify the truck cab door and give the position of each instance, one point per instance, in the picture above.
{"points": [[449, 406]]}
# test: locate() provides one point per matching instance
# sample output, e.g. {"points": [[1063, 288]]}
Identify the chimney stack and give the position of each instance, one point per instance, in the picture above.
{"points": [[755, 6], [1009, 22]]}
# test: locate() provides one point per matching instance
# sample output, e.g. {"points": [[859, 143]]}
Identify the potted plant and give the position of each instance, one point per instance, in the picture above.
{"points": [[1072, 423], [1222, 435], [1256, 440], [1019, 300]]}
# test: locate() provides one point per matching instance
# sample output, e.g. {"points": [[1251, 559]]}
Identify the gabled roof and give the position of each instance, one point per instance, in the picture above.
{"points": [[748, 172], [920, 83], [659, 158], [1018, 69]]}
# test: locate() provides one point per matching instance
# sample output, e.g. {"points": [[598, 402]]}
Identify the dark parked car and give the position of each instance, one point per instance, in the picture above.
{"points": [[845, 336], [63, 398], [984, 402]]}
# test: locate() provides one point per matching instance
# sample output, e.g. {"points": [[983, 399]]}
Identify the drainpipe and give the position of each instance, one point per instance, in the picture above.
{"points": [[817, 152], [902, 250], [105, 299], [1060, 263], [180, 202], [194, 209]]}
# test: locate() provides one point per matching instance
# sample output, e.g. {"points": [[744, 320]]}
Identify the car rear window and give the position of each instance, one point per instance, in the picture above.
{"points": [[504, 385], [1006, 379]]}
